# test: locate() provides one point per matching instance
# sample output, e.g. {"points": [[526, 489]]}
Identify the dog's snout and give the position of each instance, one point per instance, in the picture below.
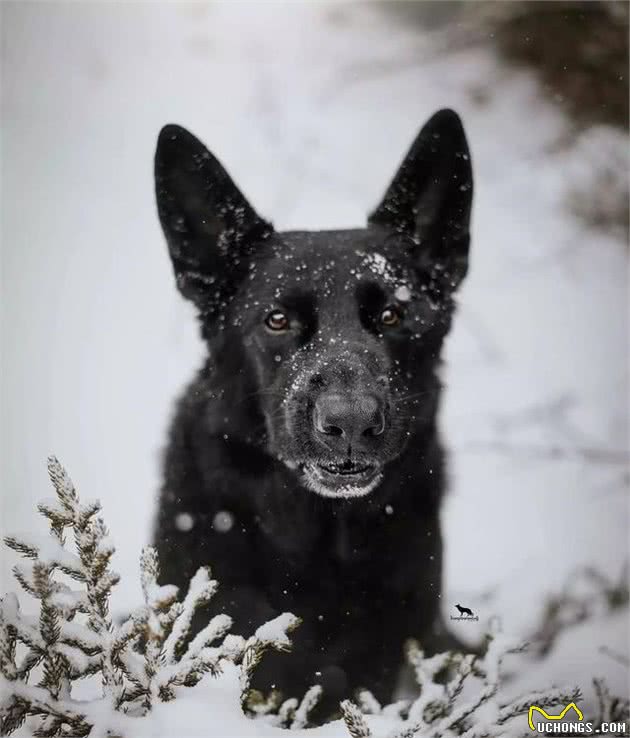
{"points": [[348, 417]]}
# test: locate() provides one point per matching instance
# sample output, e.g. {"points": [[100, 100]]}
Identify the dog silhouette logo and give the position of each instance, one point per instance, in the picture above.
{"points": [[464, 610], [547, 716]]}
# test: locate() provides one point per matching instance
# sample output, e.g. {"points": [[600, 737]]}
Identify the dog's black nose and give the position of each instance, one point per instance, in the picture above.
{"points": [[347, 417]]}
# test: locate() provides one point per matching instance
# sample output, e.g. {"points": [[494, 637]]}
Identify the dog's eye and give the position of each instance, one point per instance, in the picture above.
{"points": [[391, 316], [277, 321]]}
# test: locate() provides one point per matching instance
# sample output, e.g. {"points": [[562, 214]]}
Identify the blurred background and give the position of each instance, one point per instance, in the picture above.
{"points": [[310, 107]]}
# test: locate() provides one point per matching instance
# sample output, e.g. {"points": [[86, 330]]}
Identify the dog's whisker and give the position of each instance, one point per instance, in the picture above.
{"points": [[407, 398]]}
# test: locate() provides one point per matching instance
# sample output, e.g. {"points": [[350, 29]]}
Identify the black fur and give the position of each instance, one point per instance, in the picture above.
{"points": [[304, 463]]}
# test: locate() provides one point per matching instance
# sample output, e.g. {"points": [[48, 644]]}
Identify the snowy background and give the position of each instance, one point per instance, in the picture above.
{"points": [[311, 107]]}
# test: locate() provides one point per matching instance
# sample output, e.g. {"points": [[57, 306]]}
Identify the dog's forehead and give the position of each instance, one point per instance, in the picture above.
{"points": [[317, 259]]}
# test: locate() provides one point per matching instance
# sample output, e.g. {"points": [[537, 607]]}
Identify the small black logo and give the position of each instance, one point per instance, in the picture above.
{"points": [[465, 613]]}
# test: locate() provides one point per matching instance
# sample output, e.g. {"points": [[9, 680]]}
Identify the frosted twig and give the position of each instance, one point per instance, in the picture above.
{"points": [[141, 662]]}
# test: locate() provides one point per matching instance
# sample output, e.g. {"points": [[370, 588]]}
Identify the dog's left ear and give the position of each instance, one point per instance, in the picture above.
{"points": [[430, 197], [209, 225]]}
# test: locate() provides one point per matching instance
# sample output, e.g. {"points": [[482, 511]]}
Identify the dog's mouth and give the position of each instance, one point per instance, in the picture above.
{"points": [[341, 479]]}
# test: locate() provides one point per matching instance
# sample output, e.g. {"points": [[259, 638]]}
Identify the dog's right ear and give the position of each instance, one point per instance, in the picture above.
{"points": [[430, 197], [209, 225]]}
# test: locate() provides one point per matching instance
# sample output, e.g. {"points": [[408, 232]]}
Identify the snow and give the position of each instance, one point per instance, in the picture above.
{"points": [[308, 703], [311, 109], [275, 631], [223, 521], [403, 293], [49, 551], [379, 266], [72, 633], [216, 628], [184, 522]]}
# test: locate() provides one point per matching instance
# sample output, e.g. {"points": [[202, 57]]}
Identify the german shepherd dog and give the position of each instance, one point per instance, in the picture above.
{"points": [[304, 461]]}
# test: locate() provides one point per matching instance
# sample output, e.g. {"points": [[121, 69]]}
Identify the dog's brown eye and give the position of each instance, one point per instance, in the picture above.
{"points": [[277, 321], [391, 316]]}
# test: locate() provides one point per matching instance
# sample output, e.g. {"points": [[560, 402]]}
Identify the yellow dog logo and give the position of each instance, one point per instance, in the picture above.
{"points": [[553, 717]]}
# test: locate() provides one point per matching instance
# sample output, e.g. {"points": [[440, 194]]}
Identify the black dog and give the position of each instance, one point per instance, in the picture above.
{"points": [[464, 610], [304, 462]]}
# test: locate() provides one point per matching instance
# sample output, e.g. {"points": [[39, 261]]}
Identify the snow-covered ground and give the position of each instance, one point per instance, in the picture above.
{"points": [[310, 107]]}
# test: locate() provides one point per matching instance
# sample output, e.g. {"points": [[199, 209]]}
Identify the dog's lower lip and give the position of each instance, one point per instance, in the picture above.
{"points": [[344, 473], [352, 481], [347, 470]]}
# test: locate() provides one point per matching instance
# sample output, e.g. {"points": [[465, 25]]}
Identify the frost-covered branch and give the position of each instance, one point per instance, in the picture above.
{"points": [[609, 707], [443, 708], [587, 593], [141, 662], [169, 659], [272, 635], [155, 652], [354, 720]]}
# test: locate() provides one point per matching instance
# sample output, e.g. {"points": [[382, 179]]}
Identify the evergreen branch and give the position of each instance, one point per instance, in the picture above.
{"points": [[306, 706], [609, 707], [140, 662], [368, 703], [40, 702], [48, 551], [8, 667], [354, 720], [14, 713], [201, 589], [287, 711], [217, 628], [272, 635], [20, 627], [63, 485], [30, 661], [545, 699]]}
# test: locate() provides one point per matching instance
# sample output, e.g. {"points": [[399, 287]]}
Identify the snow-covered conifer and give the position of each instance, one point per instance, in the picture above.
{"points": [[441, 710], [354, 720], [141, 661]]}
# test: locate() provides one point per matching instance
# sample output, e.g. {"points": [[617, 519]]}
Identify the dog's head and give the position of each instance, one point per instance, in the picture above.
{"points": [[339, 332]]}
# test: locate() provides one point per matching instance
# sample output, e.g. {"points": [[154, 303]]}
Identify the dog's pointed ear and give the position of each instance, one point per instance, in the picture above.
{"points": [[430, 198], [209, 225]]}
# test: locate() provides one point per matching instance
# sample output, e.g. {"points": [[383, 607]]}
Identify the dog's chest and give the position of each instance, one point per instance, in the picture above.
{"points": [[334, 553]]}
